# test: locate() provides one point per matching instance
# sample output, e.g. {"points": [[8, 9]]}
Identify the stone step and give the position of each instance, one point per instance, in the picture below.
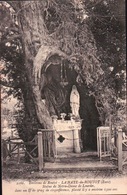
{"points": [[79, 166]]}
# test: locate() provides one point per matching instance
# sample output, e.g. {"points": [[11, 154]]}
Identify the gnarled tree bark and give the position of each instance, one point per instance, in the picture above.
{"points": [[38, 47]]}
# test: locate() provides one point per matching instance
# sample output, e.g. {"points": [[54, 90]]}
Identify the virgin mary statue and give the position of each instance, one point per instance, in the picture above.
{"points": [[75, 101]]}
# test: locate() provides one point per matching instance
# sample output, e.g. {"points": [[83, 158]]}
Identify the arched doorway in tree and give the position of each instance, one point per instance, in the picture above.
{"points": [[57, 79]]}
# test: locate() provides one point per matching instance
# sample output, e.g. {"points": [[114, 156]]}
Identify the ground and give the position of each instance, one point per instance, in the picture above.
{"points": [[23, 176], [25, 171], [12, 170]]}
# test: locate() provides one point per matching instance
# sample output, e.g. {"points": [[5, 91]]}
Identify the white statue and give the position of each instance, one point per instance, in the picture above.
{"points": [[74, 101]]}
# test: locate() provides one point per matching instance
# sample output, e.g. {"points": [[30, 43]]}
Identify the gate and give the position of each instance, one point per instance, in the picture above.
{"points": [[46, 146], [122, 142], [48, 139], [103, 142]]}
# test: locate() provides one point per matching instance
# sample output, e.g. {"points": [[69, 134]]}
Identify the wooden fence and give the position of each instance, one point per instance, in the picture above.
{"points": [[46, 146], [44, 143], [103, 142], [121, 142], [16, 147], [104, 145]]}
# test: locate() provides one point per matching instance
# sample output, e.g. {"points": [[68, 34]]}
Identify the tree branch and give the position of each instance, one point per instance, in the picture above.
{"points": [[14, 5]]}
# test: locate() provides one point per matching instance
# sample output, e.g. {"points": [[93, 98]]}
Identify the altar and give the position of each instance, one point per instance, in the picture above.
{"points": [[67, 132], [67, 135]]}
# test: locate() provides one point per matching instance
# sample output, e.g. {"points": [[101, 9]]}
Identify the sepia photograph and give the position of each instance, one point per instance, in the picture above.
{"points": [[63, 97]]}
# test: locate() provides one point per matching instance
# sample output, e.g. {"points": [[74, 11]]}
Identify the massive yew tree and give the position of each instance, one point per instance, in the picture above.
{"points": [[55, 32], [43, 38]]}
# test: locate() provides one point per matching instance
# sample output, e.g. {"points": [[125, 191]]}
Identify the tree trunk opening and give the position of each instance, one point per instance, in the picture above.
{"points": [[39, 47]]}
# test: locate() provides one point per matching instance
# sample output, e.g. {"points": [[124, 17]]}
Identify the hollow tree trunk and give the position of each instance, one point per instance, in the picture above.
{"points": [[38, 46]]}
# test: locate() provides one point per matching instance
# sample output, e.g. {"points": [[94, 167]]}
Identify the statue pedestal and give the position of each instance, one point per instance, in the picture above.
{"points": [[67, 136]]}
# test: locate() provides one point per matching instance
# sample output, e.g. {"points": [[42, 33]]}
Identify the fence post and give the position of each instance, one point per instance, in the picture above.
{"points": [[9, 146], [110, 125], [12, 133], [40, 151], [18, 154], [115, 137], [77, 148], [119, 149]]}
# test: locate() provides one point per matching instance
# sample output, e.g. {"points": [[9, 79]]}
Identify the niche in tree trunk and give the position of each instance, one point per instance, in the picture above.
{"points": [[56, 85]]}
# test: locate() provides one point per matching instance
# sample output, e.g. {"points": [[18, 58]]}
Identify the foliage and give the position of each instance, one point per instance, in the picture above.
{"points": [[90, 33], [105, 19], [107, 23], [109, 33], [11, 54], [14, 79]]}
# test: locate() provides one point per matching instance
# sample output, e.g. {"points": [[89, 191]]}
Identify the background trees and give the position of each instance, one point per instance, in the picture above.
{"points": [[88, 35], [107, 23]]}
